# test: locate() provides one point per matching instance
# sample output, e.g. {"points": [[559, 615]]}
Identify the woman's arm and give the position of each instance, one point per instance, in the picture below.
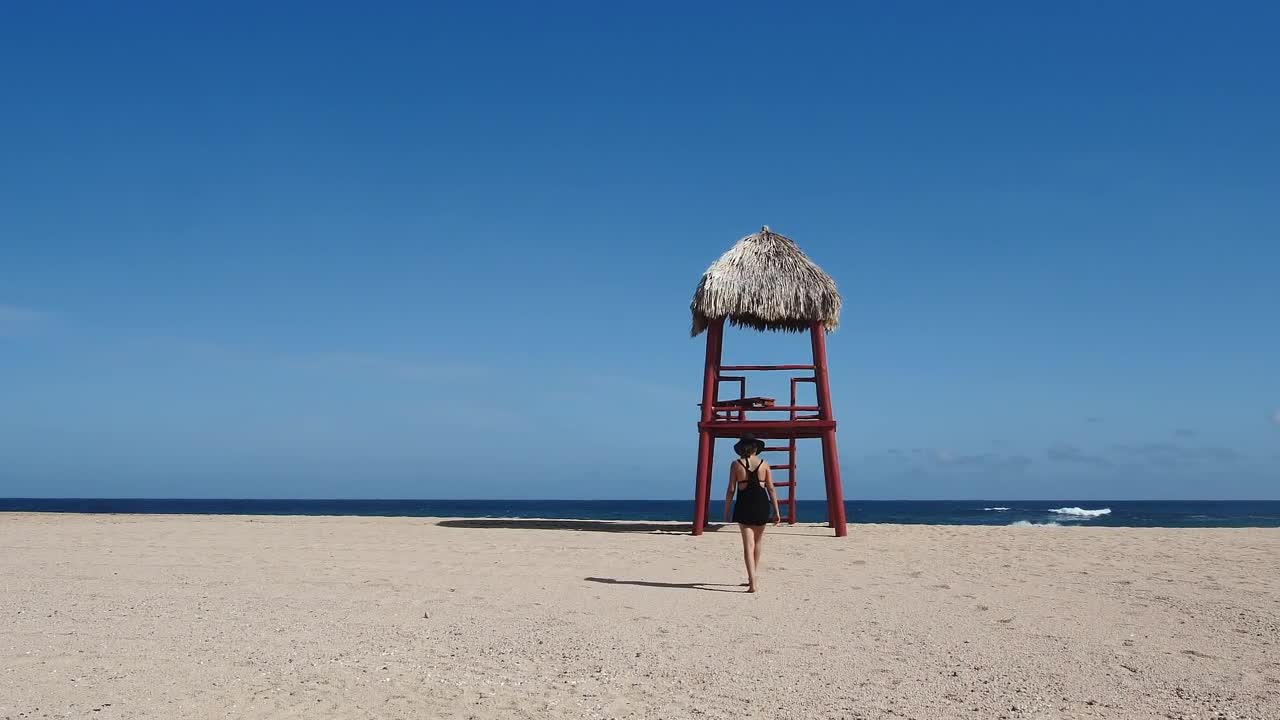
{"points": [[773, 494], [728, 493]]}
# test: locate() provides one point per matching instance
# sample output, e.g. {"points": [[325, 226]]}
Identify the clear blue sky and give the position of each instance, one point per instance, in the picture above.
{"points": [[429, 251]]}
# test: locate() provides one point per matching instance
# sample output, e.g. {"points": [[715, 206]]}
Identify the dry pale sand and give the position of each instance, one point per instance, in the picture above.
{"points": [[215, 617]]}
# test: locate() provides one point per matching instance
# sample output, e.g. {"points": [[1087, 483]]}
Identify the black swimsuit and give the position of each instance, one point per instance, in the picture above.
{"points": [[752, 506]]}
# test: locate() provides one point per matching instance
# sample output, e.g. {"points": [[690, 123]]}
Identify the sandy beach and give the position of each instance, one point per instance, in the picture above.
{"points": [[278, 617]]}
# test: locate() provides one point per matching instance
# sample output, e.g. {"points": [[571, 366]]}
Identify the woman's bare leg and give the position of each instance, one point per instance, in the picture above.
{"points": [[759, 542], [749, 555]]}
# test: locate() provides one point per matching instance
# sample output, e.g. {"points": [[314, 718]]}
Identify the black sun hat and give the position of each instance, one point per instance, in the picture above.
{"points": [[748, 441]]}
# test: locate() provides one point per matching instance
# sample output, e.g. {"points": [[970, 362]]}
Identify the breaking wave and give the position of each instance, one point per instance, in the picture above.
{"points": [[1027, 523], [1080, 512], [997, 509]]}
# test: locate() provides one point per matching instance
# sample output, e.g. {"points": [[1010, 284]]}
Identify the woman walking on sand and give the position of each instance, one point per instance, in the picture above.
{"points": [[752, 480]]}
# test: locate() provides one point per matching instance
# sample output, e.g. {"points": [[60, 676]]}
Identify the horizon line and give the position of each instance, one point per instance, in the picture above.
{"points": [[607, 500]]}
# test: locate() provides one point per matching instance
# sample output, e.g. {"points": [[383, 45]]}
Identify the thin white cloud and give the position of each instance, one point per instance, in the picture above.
{"points": [[16, 320], [403, 369], [399, 368], [1275, 417], [982, 462], [1068, 453], [1172, 455]]}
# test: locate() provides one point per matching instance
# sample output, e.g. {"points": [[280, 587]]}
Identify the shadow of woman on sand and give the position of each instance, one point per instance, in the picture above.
{"points": [[673, 528], [709, 587]]}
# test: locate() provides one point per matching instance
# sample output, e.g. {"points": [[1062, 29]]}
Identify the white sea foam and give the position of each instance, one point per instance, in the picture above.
{"points": [[1025, 523], [998, 509], [1080, 512]]}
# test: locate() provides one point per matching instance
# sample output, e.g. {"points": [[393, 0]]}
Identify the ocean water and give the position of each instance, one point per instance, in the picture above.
{"points": [[1092, 513]]}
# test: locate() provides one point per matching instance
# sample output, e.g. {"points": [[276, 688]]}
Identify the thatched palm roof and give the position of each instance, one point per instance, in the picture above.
{"points": [[766, 282]]}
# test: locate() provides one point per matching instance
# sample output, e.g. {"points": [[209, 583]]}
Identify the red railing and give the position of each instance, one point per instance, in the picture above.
{"points": [[738, 410], [742, 394], [767, 408], [764, 368]]}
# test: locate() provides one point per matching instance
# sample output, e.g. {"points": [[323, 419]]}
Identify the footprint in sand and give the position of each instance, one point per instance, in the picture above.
{"points": [[1198, 654]]}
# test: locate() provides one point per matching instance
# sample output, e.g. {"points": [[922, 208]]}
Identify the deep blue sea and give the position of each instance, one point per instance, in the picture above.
{"points": [[1099, 513]]}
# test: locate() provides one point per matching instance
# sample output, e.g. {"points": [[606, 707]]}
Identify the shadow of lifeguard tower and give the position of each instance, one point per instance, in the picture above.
{"points": [[765, 282]]}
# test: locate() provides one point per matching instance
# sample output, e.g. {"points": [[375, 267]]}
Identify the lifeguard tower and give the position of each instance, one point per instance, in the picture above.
{"points": [[765, 282]]}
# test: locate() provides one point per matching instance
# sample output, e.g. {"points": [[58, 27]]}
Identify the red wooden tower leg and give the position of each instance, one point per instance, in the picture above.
{"points": [[702, 486], [830, 454], [835, 493], [706, 443], [711, 482]]}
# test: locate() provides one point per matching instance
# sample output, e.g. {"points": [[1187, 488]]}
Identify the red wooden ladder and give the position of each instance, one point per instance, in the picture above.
{"points": [[786, 504]]}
